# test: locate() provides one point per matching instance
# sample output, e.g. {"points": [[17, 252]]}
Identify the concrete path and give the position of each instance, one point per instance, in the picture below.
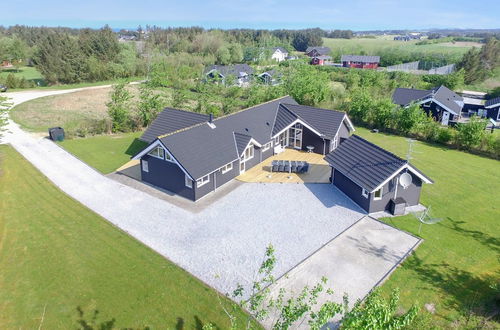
{"points": [[356, 261]]}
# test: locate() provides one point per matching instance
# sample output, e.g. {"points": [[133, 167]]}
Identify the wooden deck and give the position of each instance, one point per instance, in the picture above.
{"points": [[319, 170]]}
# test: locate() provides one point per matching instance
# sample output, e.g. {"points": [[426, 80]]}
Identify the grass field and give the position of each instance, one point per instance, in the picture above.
{"points": [[28, 72], [57, 256], [105, 152], [458, 261], [374, 46]]}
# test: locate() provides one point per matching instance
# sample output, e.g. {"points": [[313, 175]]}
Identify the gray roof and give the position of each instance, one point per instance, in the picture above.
{"points": [[236, 70], [492, 102], [360, 58], [365, 163], [319, 50], [283, 50], [171, 120], [452, 101], [201, 149]]}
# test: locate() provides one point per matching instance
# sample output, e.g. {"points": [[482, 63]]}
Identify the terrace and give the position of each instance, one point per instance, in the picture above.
{"points": [[319, 170]]}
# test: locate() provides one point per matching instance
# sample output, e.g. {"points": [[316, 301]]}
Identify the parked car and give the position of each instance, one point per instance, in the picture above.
{"points": [[3, 88]]}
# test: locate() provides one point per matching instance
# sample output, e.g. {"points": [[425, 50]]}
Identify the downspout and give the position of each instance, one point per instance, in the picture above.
{"points": [[215, 180], [396, 190], [324, 146]]}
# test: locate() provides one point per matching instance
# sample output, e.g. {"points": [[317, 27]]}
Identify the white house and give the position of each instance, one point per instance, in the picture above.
{"points": [[279, 54]]}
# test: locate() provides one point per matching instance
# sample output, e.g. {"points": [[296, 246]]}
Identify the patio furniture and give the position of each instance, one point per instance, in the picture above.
{"points": [[281, 166], [274, 166], [287, 166], [305, 168], [300, 164], [293, 166], [310, 148]]}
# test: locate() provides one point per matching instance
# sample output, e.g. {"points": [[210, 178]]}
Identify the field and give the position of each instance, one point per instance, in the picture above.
{"points": [[57, 256], [27, 72], [105, 152], [374, 46], [457, 262]]}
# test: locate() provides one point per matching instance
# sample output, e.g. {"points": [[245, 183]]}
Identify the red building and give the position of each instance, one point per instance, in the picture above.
{"points": [[320, 60], [360, 61]]}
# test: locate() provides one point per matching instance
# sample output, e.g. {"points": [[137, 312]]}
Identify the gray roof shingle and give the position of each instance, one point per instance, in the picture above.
{"points": [[235, 69], [365, 163], [493, 102], [319, 50], [360, 58], [171, 120], [202, 149], [452, 101]]}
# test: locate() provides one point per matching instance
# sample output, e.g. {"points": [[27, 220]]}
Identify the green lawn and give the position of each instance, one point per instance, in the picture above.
{"points": [[28, 72], [56, 256], [105, 153], [372, 46], [458, 261]]}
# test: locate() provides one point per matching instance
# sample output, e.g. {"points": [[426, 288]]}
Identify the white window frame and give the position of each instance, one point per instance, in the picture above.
{"points": [[188, 182], [375, 198], [250, 147], [364, 192], [267, 146], [145, 166], [169, 158], [203, 181], [226, 168], [155, 152]]}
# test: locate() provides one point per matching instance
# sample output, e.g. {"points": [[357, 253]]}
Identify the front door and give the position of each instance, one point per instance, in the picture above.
{"points": [[446, 118], [242, 167]]}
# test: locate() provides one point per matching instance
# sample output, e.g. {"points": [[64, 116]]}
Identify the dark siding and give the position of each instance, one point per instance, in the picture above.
{"points": [[343, 131], [255, 160], [228, 176], [352, 190], [166, 175], [268, 153], [205, 189], [311, 139], [493, 113], [410, 194]]}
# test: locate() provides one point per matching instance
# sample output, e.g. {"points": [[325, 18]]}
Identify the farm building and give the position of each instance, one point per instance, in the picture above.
{"points": [[374, 178], [360, 61]]}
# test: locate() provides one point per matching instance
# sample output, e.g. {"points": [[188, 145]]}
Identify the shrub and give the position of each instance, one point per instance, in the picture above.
{"points": [[445, 135]]}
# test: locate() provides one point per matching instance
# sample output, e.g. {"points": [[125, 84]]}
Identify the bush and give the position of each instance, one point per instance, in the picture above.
{"points": [[445, 135]]}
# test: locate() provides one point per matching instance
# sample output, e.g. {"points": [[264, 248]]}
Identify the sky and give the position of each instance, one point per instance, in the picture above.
{"points": [[265, 14]]}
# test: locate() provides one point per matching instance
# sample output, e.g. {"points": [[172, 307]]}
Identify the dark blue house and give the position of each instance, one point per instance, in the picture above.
{"points": [[193, 154]]}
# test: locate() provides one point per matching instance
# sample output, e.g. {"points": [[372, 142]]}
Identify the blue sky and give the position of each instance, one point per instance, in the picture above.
{"points": [[269, 14]]}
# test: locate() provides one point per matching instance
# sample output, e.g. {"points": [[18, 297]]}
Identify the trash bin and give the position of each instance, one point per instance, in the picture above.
{"points": [[397, 206], [56, 133]]}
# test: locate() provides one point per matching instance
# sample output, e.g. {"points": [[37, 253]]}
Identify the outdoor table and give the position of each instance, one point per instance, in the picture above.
{"points": [[310, 148]]}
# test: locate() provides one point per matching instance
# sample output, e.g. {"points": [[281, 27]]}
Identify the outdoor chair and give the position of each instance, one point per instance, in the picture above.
{"points": [[274, 166], [287, 166], [293, 166], [300, 165], [305, 168], [281, 166]]}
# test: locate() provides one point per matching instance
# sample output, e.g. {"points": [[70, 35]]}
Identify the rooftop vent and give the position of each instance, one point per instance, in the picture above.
{"points": [[210, 121], [246, 129]]}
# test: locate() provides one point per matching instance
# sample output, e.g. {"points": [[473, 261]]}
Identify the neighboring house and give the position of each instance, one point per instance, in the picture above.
{"points": [[6, 64], [473, 106], [440, 102], [360, 61], [271, 77], [372, 176], [493, 108], [193, 160], [236, 74], [279, 54], [320, 60], [317, 51]]}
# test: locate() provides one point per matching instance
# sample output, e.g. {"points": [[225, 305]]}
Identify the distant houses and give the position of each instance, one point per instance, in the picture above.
{"points": [[444, 105], [360, 61], [279, 54], [317, 51], [271, 77], [493, 108], [235, 74]]}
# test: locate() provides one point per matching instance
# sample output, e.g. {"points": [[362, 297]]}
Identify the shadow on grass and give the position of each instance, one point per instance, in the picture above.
{"points": [[465, 291], [135, 147], [484, 238]]}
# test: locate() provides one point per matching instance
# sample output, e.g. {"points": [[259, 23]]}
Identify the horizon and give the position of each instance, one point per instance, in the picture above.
{"points": [[258, 14]]}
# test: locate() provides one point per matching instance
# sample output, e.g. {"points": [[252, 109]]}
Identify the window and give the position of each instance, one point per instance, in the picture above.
{"points": [[226, 168], [377, 195], [157, 152], [267, 146], [364, 193], [202, 181], [168, 157], [188, 182], [248, 154], [145, 167]]}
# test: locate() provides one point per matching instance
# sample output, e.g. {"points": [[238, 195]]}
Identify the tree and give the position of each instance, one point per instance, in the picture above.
{"points": [[118, 108], [360, 105], [306, 84], [305, 38], [408, 118], [150, 104], [377, 313], [470, 134]]}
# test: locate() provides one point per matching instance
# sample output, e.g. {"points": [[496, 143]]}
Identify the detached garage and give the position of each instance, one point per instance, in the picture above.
{"points": [[374, 178]]}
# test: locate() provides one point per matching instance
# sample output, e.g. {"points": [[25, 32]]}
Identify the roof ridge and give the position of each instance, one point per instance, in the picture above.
{"points": [[309, 106], [380, 148], [181, 130]]}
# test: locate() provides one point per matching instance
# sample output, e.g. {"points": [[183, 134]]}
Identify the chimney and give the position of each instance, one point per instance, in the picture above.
{"points": [[211, 118]]}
